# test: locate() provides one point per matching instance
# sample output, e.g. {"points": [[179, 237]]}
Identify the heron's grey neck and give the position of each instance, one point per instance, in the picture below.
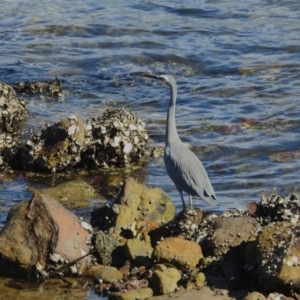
{"points": [[171, 131]]}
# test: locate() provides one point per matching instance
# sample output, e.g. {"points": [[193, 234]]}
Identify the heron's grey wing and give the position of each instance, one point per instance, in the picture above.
{"points": [[187, 171]]}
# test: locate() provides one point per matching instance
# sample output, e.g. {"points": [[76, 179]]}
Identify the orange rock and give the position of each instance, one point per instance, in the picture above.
{"points": [[178, 252]]}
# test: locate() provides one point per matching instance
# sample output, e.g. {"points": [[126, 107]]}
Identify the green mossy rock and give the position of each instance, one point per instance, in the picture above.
{"points": [[139, 202], [72, 194], [165, 280], [143, 293]]}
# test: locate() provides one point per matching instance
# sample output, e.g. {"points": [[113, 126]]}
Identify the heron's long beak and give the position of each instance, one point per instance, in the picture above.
{"points": [[151, 76]]}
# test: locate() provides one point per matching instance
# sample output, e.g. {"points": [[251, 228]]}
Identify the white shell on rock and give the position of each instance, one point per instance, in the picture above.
{"points": [[127, 148]]}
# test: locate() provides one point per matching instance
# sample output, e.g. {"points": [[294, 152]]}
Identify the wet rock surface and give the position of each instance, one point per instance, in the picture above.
{"points": [[53, 288], [143, 293], [72, 194], [49, 88]]}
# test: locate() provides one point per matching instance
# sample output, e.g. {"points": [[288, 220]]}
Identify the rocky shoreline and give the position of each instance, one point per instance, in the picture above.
{"points": [[135, 247]]}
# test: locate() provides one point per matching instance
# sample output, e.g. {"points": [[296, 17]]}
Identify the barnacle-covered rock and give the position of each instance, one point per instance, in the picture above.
{"points": [[279, 254], [118, 138], [276, 208], [10, 152], [229, 232], [49, 88], [57, 147], [12, 109]]}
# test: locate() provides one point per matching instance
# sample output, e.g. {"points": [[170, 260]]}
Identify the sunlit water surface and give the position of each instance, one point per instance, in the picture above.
{"points": [[236, 64]]}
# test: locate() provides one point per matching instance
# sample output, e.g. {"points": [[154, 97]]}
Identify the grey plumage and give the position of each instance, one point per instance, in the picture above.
{"points": [[182, 165]]}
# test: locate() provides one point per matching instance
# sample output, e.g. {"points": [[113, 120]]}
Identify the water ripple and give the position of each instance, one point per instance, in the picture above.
{"points": [[236, 65]]}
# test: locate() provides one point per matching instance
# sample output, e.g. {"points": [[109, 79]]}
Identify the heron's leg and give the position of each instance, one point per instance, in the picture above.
{"points": [[191, 202], [182, 199]]}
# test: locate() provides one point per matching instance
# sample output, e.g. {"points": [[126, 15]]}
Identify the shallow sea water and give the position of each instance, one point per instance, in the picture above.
{"points": [[236, 64]]}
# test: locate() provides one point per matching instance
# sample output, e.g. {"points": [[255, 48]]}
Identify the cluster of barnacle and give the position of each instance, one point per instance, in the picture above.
{"points": [[188, 224], [279, 252], [57, 147], [12, 109], [233, 212], [9, 151], [278, 208], [118, 138], [50, 88], [278, 249]]}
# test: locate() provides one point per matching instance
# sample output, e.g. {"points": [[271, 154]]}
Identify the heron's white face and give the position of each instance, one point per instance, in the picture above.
{"points": [[167, 79], [164, 77]]}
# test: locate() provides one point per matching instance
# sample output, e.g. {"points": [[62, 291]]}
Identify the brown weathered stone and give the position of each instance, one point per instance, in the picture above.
{"points": [[39, 228], [231, 231]]}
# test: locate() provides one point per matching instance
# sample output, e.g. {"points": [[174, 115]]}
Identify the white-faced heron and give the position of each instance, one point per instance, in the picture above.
{"points": [[182, 165]]}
